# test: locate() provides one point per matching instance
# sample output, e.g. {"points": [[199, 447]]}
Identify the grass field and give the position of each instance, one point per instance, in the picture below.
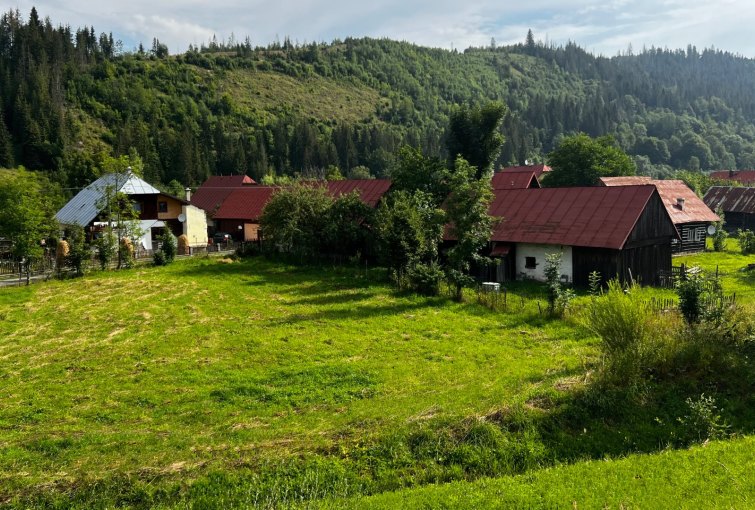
{"points": [[216, 384]]}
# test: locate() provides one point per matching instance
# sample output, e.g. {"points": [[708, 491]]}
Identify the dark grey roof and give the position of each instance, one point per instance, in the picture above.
{"points": [[731, 199], [84, 207]]}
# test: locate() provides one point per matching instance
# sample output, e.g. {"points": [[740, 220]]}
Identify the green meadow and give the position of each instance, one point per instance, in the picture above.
{"points": [[216, 383]]}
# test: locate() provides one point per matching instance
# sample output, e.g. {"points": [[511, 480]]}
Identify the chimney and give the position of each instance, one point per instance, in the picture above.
{"points": [[188, 194], [680, 203], [731, 174]]}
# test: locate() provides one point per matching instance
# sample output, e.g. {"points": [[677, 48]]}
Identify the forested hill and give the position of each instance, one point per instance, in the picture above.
{"points": [[71, 97]]}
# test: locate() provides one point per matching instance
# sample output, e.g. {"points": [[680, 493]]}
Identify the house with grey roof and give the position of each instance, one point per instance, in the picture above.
{"points": [[157, 210]]}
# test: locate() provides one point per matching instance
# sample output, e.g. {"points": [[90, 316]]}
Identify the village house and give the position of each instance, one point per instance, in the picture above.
{"points": [[515, 178], [689, 213], [211, 194], [156, 210], [743, 177], [240, 212], [737, 204], [622, 231]]}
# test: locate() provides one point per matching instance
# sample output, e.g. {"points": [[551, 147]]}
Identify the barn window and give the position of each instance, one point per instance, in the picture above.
{"points": [[162, 207], [530, 263]]}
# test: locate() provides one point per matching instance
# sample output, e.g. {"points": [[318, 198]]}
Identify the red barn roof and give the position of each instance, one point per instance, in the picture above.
{"points": [[245, 203], [538, 169], [597, 217], [515, 179], [370, 190], [213, 192], [730, 199], [227, 181], [746, 177], [694, 211]]}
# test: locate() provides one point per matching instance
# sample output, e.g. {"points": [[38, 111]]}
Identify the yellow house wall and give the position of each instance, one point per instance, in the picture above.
{"points": [[195, 226], [174, 208]]}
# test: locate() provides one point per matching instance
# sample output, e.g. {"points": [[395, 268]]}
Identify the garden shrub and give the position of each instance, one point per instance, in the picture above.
{"points": [[158, 258], [169, 246], [558, 296], [633, 338], [746, 241], [425, 278]]}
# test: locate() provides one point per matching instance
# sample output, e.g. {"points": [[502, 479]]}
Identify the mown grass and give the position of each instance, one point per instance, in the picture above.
{"points": [[716, 475], [199, 366], [212, 385], [731, 265]]}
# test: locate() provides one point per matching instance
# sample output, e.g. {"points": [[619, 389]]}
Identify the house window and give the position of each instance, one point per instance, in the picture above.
{"points": [[700, 234], [162, 207], [530, 263], [137, 207]]}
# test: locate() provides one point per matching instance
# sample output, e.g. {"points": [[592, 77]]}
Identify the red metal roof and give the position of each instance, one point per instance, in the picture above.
{"points": [[245, 203], [538, 169], [370, 190], [520, 179], [746, 177], [730, 199], [213, 192], [694, 211], [227, 181], [598, 217]]}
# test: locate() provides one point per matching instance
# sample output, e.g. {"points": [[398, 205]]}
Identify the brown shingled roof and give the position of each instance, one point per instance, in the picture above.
{"points": [[695, 210], [598, 217]]}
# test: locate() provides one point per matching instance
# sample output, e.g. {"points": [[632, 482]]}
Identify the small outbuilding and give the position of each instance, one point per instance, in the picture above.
{"points": [[688, 211], [622, 232], [737, 204]]}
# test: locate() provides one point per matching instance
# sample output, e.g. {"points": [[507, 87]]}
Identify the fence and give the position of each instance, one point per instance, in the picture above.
{"points": [[14, 268], [660, 305]]}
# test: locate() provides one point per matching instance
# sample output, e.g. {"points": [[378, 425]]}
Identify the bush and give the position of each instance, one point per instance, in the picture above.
{"points": [[425, 278], [159, 258], [169, 246], [79, 253], [558, 296], [746, 241], [720, 235], [106, 248], [690, 291], [703, 420], [633, 339]]}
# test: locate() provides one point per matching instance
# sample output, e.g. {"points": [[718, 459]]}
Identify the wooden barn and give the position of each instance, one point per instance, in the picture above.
{"points": [[617, 231], [738, 205], [688, 211]]}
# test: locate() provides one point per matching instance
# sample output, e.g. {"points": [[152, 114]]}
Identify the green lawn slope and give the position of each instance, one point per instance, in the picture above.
{"points": [[715, 475]]}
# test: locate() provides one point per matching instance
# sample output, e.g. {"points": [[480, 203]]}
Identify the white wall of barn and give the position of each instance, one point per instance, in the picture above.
{"points": [[539, 252]]}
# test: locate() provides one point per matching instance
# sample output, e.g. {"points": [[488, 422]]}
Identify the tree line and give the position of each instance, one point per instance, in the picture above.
{"points": [[69, 98]]}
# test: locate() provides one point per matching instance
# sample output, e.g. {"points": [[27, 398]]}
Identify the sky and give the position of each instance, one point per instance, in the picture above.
{"points": [[604, 27]]}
